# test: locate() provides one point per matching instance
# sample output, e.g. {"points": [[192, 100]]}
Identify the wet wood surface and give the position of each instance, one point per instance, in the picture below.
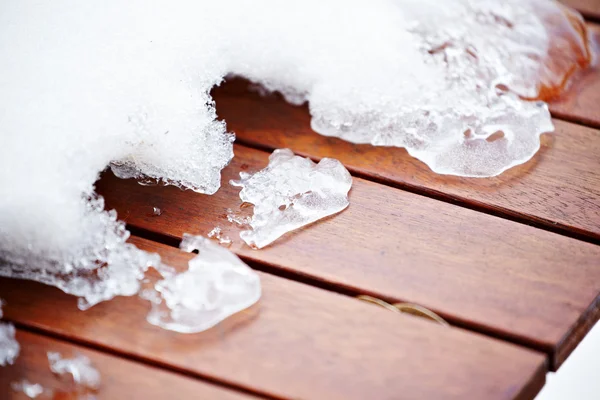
{"points": [[512, 262], [558, 189], [589, 8], [489, 274], [297, 342], [120, 378]]}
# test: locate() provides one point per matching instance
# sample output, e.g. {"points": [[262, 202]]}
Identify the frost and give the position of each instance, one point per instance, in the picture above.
{"points": [[86, 85], [216, 285], [291, 192], [80, 368], [9, 347], [31, 390]]}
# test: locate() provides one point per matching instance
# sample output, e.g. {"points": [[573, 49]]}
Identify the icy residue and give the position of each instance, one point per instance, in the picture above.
{"points": [[217, 234], [9, 347], [216, 285], [31, 390], [78, 368], [291, 192], [86, 85]]}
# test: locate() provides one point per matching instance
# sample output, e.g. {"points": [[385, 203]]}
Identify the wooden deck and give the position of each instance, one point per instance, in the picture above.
{"points": [[512, 263]]}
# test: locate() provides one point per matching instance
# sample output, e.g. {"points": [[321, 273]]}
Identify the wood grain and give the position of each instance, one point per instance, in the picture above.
{"points": [[121, 379], [559, 189], [298, 342], [589, 8], [581, 103], [489, 274]]}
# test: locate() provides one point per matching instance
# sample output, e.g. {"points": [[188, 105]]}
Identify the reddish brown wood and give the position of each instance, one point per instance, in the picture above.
{"points": [[589, 8], [480, 271], [121, 378], [581, 103], [298, 342], [558, 189]]}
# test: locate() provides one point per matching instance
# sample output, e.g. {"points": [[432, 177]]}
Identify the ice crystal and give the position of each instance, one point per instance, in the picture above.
{"points": [[216, 285], [79, 368], [217, 234], [86, 85], [9, 347], [291, 192], [31, 390]]}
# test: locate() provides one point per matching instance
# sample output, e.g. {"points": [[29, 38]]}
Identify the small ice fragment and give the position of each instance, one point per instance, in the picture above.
{"points": [[31, 390], [217, 233], [216, 285], [79, 367], [292, 192], [234, 218], [157, 211], [9, 347]]}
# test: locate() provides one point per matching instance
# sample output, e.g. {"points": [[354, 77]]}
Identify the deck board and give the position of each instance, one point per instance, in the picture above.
{"points": [[486, 273], [121, 378], [558, 189], [589, 8], [298, 342]]}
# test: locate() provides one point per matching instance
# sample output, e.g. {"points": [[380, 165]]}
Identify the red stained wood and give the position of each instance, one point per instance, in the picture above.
{"points": [[559, 189], [298, 342], [121, 379], [483, 272], [581, 103], [589, 8]]}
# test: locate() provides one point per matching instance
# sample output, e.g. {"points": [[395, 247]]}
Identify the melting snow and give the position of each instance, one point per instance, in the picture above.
{"points": [[216, 285], [86, 85], [291, 192], [9, 347]]}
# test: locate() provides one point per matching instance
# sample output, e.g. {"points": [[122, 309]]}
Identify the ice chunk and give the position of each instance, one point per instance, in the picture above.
{"points": [[291, 192], [216, 285], [80, 368], [31, 390], [9, 347]]}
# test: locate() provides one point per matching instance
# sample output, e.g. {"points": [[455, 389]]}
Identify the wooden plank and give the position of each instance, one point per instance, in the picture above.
{"points": [[297, 342], [493, 275], [355, 248], [589, 8], [581, 103], [121, 378], [558, 189]]}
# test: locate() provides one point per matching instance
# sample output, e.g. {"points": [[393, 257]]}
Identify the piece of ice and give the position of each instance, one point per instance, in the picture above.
{"points": [[446, 79], [237, 219], [31, 390], [9, 347], [156, 211], [216, 285], [217, 233], [79, 368], [291, 192]]}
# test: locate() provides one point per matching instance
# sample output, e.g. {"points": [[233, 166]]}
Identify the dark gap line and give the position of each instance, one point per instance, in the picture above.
{"points": [[139, 359], [353, 292], [502, 213], [573, 119]]}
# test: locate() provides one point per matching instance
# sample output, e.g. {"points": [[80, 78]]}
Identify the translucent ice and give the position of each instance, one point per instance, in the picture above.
{"points": [[216, 285], [79, 367], [9, 347], [291, 192], [31, 390], [217, 234], [86, 85]]}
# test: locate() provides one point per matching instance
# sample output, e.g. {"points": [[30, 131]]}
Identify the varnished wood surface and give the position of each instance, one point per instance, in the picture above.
{"points": [[589, 8], [581, 103], [121, 378], [298, 342], [558, 189], [480, 271]]}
